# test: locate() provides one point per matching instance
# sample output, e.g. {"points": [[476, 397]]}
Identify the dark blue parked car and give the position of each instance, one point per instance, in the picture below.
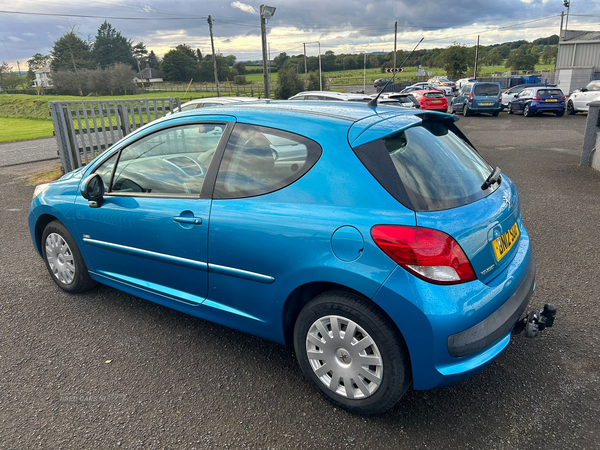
{"points": [[478, 97], [538, 100], [375, 240]]}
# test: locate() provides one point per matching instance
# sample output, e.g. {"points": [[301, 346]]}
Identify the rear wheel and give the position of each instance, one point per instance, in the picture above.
{"points": [[527, 111], [570, 108], [496, 113], [63, 259], [560, 113], [466, 111], [351, 353]]}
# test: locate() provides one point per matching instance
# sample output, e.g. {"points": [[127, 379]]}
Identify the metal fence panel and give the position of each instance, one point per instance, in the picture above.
{"points": [[77, 124]]}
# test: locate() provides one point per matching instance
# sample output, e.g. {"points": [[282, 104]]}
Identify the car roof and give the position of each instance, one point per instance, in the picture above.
{"points": [[429, 90], [332, 94], [364, 122]]}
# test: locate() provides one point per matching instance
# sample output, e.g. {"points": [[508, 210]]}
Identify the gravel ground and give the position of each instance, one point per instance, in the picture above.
{"points": [[109, 370]]}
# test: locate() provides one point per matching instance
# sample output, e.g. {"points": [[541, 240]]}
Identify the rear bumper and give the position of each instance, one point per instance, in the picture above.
{"points": [[549, 107], [453, 332]]}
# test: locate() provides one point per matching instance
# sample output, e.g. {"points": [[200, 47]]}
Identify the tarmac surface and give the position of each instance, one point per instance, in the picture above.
{"points": [[109, 370]]}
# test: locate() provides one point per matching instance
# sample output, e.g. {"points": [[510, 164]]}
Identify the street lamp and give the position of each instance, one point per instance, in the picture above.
{"points": [[320, 76], [266, 12], [567, 4]]}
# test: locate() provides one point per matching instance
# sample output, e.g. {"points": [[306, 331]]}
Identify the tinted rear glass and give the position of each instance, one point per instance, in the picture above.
{"points": [[486, 89], [428, 167], [543, 92], [433, 95]]}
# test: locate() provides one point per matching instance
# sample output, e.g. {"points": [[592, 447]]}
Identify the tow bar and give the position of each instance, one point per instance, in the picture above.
{"points": [[534, 322]]}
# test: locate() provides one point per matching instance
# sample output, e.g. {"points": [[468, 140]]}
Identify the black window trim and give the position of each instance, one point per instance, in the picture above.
{"points": [[211, 173]]}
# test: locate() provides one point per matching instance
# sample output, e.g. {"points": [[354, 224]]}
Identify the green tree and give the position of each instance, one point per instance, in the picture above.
{"points": [[178, 66], [72, 53], [207, 72], [153, 61], [288, 84], [549, 55], [454, 59], [519, 60], [494, 58], [35, 63], [5, 70], [112, 47], [313, 81], [328, 61], [240, 67], [279, 60], [187, 50]]}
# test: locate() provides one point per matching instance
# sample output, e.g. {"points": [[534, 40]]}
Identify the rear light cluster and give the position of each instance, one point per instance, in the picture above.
{"points": [[500, 99], [429, 254], [471, 98], [563, 98], [537, 98]]}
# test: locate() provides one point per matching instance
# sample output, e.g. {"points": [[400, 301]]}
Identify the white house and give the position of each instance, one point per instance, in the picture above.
{"points": [[149, 75], [43, 77]]}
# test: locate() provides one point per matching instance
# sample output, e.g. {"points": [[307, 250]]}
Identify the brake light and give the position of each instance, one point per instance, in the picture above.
{"points": [[471, 98], [431, 255], [563, 98], [537, 98], [500, 99]]}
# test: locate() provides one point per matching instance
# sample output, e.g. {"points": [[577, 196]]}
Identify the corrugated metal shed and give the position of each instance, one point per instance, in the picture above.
{"points": [[580, 50]]}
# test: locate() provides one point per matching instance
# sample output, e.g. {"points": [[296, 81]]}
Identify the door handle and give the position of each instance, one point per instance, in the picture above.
{"points": [[190, 220]]}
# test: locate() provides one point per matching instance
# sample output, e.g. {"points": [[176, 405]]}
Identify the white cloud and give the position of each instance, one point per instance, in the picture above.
{"points": [[370, 7], [28, 34], [244, 7], [14, 39]]}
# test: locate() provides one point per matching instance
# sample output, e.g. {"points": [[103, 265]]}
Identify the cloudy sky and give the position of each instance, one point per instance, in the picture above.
{"points": [[341, 26]]}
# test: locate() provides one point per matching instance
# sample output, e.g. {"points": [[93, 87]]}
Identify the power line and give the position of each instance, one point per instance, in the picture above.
{"points": [[100, 17]]}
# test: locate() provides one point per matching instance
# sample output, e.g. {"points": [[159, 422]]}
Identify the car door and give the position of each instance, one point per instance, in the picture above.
{"points": [[150, 231], [253, 220], [520, 100]]}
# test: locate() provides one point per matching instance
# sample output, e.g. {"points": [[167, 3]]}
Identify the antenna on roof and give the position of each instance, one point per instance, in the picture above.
{"points": [[374, 101]]}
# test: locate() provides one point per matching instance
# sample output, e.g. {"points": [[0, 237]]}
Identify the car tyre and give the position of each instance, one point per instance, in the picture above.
{"points": [[64, 260], [570, 108], [560, 113], [527, 112], [510, 111], [496, 113], [374, 387], [466, 111]]}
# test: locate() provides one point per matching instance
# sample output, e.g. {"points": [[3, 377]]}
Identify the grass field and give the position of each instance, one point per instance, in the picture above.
{"points": [[23, 129]]}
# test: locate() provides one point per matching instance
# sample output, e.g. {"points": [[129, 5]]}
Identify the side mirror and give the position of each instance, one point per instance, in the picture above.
{"points": [[93, 190], [583, 89]]}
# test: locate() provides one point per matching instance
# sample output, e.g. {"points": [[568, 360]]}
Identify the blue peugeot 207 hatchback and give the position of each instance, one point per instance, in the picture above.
{"points": [[375, 241]]}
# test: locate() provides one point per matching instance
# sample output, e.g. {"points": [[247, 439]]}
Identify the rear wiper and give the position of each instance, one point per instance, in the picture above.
{"points": [[493, 178]]}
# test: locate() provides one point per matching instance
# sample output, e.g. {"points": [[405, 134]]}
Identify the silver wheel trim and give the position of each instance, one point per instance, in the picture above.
{"points": [[344, 357], [60, 258]]}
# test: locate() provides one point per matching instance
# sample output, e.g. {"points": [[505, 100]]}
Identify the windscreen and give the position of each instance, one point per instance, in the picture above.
{"points": [[427, 167], [487, 90], [547, 92], [433, 95]]}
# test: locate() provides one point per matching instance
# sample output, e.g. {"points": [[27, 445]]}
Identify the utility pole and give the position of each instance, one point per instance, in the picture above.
{"points": [[266, 12], [562, 18], [320, 75], [212, 43], [476, 58], [365, 75], [395, 40], [567, 3]]}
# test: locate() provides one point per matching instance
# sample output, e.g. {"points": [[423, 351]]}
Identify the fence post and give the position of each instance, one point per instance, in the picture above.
{"points": [[591, 140], [123, 118]]}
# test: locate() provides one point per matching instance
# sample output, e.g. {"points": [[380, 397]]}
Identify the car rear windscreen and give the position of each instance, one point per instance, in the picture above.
{"points": [[433, 95], [487, 90], [427, 167], [546, 92]]}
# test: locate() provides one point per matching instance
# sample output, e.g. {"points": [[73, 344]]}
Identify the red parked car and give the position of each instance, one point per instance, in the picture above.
{"points": [[431, 99]]}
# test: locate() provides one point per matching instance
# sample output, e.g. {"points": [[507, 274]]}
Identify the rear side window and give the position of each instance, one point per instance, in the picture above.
{"points": [[549, 92], [486, 89], [259, 160], [428, 167], [433, 95]]}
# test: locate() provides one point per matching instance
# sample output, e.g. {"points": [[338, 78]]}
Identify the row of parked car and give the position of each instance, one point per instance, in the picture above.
{"points": [[470, 97]]}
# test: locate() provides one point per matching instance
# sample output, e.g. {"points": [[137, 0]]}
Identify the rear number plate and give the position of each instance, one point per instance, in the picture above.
{"points": [[551, 100], [486, 104], [436, 101], [505, 242]]}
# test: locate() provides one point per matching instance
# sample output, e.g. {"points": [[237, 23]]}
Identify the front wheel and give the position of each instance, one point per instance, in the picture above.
{"points": [[510, 111], [570, 108], [351, 353], [527, 111], [63, 259], [560, 113]]}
